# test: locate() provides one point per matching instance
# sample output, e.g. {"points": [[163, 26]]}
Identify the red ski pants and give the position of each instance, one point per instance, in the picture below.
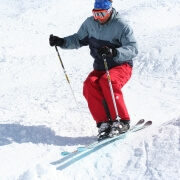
{"points": [[96, 89]]}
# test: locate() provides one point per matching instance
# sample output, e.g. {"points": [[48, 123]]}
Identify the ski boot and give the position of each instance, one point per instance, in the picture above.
{"points": [[119, 127], [104, 130]]}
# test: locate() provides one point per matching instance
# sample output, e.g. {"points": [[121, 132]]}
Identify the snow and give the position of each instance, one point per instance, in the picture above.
{"points": [[38, 115]]}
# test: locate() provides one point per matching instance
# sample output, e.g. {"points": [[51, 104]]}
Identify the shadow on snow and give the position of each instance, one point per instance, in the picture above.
{"points": [[10, 133]]}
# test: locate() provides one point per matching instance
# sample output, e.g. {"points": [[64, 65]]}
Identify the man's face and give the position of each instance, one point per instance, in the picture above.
{"points": [[102, 21]]}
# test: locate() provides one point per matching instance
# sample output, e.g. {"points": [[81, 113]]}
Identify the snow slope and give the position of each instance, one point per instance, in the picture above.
{"points": [[39, 117]]}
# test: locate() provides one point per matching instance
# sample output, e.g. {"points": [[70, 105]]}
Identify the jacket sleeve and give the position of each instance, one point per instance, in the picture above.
{"points": [[78, 39], [129, 48]]}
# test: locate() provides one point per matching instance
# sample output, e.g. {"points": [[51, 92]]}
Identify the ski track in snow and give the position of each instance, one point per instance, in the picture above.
{"points": [[39, 117]]}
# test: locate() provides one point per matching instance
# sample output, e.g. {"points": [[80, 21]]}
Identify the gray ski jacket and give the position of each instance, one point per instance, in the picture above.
{"points": [[115, 33]]}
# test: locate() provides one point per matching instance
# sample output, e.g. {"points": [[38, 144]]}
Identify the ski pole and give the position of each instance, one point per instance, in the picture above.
{"points": [[67, 79], [110, 86]]}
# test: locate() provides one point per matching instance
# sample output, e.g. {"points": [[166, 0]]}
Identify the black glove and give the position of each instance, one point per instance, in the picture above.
{"points": [[56, 41], [111, 52]]}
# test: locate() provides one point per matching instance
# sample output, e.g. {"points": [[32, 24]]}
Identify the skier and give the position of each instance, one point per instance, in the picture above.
{"points": [[106, 34]]}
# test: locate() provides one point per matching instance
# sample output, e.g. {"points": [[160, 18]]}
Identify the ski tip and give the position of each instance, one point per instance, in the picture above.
{"points": [[141, 121], [148, 123], [81, 149], [64, 153]]}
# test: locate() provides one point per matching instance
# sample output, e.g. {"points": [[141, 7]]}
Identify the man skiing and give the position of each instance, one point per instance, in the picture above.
{"points": [[109, 37]]}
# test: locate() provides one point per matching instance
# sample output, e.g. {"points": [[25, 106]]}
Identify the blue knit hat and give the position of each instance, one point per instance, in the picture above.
{"points": [[102, 4]]}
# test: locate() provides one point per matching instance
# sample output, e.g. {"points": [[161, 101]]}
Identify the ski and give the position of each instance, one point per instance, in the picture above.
{"points": [[109, 139], [138, 126], [81, 152], [145, 125]]}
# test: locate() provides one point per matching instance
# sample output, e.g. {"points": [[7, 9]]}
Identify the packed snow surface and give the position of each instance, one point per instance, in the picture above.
{"points": [[39, 117]]}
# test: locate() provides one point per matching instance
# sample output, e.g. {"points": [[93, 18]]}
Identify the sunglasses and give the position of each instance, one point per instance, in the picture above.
{"points": [[101, 13]]}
